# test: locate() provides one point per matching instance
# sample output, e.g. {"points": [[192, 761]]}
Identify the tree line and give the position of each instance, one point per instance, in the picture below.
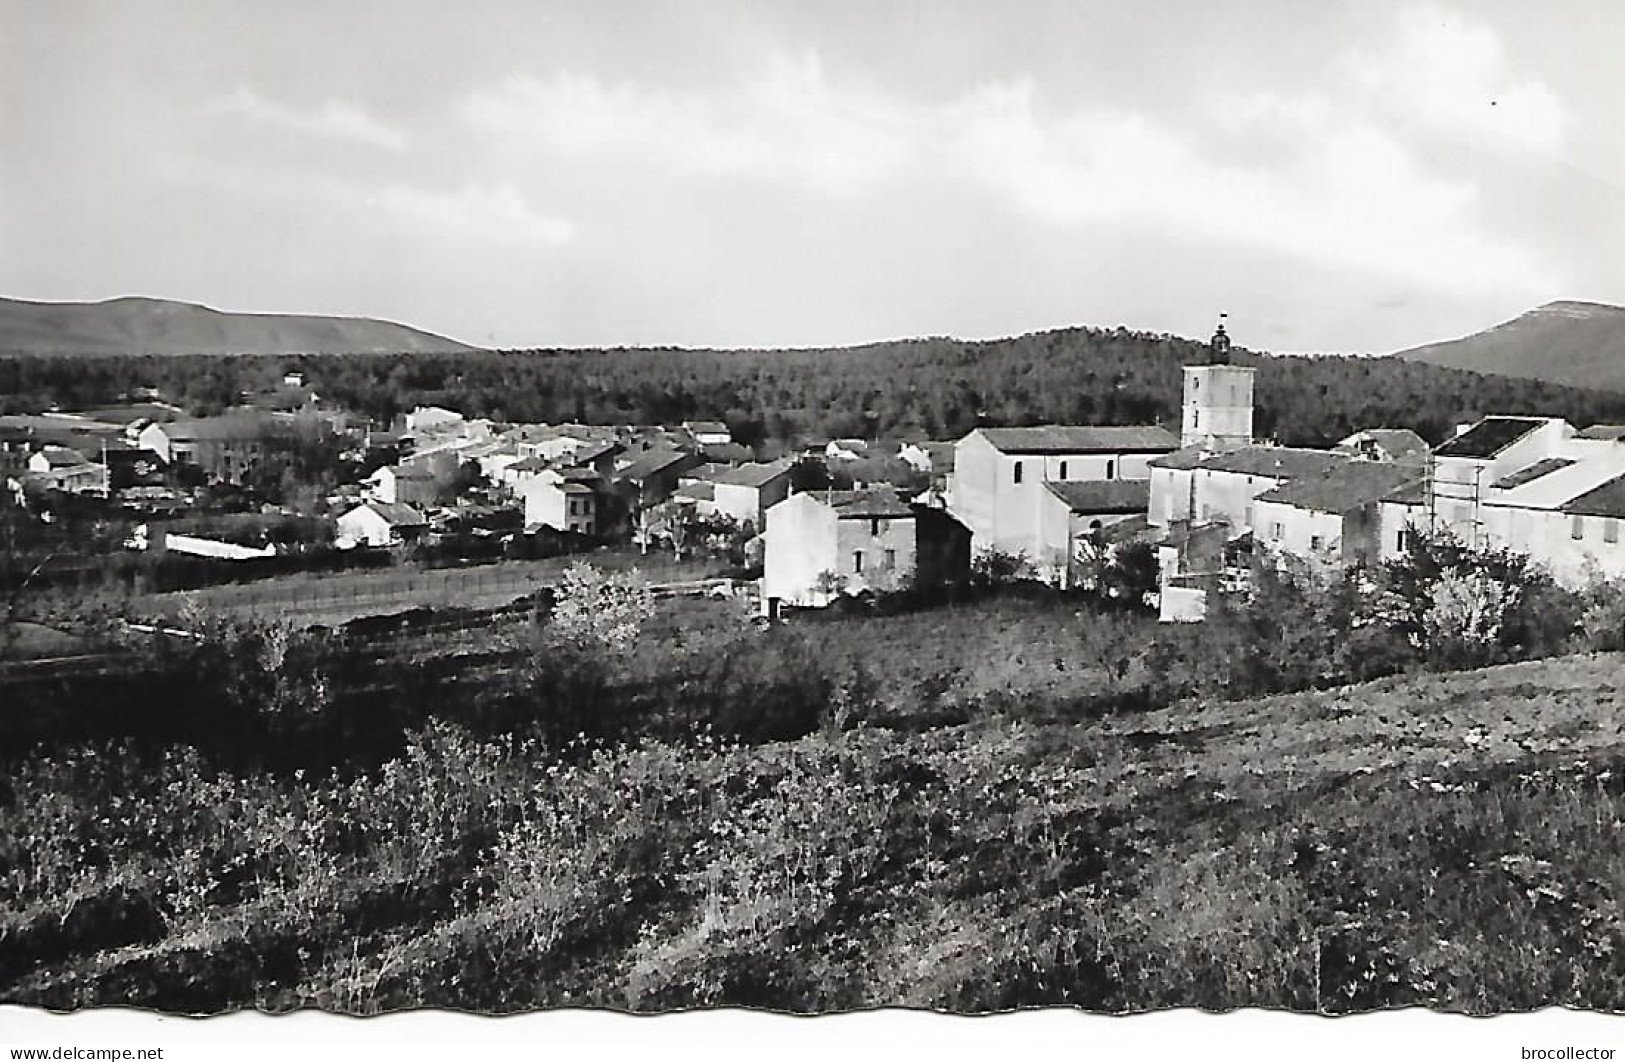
{"points": [[937, 387]]}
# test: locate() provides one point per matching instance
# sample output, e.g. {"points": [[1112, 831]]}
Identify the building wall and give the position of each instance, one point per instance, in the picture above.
{"points": [[750, 504], [365, 526], [407, 490], [887, 547], [1228, 496], [1008, 515], [1305, 533], [547, 505], [801, 543], [1217, 407], [1170, 495]]}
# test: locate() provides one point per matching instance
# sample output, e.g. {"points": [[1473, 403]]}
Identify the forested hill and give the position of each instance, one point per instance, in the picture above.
{"points": [[940, 386], [1576, 343], [161, 326]]}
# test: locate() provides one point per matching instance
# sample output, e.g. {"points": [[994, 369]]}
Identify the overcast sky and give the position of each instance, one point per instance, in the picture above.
{"points": [[1336, 176]]}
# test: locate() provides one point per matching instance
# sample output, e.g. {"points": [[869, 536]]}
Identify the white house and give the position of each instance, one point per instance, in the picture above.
{"points": [[1528, 484], [820, 544], [1335, 518], [564, 505], [381, 523], [406, 484], [743, 494], [1073, 515], [1001, 475], [66, 469], [708, 432]]}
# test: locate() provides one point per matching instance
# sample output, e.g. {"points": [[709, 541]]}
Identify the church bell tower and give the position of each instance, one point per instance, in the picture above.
{"points": [[1217, 409]]}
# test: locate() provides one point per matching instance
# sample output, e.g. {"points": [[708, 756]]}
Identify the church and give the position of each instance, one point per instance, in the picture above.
{"points": [[1530, 484]]}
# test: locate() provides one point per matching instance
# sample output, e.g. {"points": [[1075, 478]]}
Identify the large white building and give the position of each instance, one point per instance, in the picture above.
{"points": [[1002, 476], [1529, 484]]}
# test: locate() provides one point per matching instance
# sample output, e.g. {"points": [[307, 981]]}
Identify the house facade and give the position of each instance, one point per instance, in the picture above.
{"points": [[1073, 516], [405, 484], [743, 494], [379, 523], [226, 447], [822, 544], [561, 504]]}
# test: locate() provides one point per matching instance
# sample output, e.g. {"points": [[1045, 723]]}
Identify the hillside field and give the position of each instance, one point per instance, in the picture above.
{"points": [[1451, 841]]}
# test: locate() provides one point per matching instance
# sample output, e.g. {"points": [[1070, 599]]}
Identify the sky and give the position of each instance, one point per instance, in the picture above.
{"points": [[1336, 176]]}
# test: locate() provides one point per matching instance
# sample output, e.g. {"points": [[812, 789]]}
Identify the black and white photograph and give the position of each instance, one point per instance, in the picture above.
{"points": [[741, 510]]}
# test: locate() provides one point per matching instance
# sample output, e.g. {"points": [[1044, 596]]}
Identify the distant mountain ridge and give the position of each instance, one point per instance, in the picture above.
{"points": [[139, 325], [1569, 342]]}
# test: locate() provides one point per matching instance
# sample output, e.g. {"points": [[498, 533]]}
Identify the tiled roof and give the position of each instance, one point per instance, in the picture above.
{"points": [[1276, 462], [1181, 460], [1413, 493], [757, 474], [700, 491], [882, 503], [1488, 437], [729, 453], [1346, 487], [1533, 472], [62, 456], [1398, 442], [1607, 432], [218, 429], [1125, 530], [1606, 500], [397, 514], [1068, 439], [1104, 496], [651, 463], [705, 427]]}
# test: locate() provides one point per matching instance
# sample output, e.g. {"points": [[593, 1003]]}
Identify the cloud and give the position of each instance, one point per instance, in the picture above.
{"points": [[789, 121], [1452, 75], [484, 213], [1349, 195], [333, 120], [1325, 175]]}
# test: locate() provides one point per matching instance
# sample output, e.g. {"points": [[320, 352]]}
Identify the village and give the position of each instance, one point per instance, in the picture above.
{"points": [[834, 519]]}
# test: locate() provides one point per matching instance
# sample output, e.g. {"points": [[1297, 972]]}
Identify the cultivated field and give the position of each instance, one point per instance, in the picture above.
{"points": [[334, 598]]}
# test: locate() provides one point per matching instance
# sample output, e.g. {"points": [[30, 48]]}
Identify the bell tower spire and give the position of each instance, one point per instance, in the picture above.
{"points": [[1217, 409]]}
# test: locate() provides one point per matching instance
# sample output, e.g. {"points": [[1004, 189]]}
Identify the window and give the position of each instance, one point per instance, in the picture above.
{"points": [[891, 559], [1315, 542], [1111, 469], [1196, 418], [1402, 541], [874, 528], [1063, 469], [857, 560], [1018, 472], [1196, 383], [1277, 532], [1578, 531], [1610, 530]]}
